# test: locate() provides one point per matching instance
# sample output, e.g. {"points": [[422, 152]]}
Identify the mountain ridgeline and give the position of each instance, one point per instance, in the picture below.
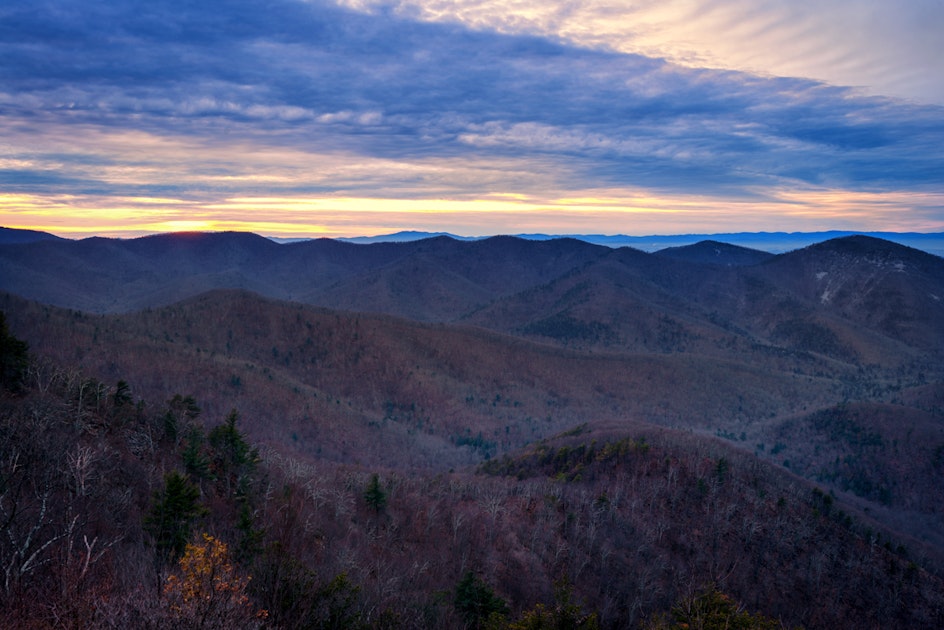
{"points": [[630, 425], [846, 289]]}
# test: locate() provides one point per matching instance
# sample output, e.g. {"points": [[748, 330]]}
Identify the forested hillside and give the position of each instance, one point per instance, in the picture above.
{"points": [[124, 512]]}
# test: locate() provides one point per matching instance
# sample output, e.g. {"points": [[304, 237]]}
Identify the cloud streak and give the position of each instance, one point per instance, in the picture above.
{"points": [[890, 49], [103, 101]]}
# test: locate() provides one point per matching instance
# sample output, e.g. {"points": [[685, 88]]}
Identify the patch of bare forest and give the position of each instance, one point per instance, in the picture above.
{"points": [[121, 512]]}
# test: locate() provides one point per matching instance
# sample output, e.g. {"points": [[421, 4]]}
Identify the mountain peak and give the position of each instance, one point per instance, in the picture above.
{"points": [[12, 236], [716, 253]]}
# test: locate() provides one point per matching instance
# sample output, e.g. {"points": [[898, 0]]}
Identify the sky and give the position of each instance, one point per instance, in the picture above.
{"points": [[307, 118]]}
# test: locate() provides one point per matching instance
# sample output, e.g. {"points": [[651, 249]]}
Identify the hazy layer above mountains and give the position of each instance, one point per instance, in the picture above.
{"points": [[772, 242]]}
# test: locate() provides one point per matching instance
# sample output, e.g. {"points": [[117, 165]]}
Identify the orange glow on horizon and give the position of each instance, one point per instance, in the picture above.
{"points": [[563, 212]]}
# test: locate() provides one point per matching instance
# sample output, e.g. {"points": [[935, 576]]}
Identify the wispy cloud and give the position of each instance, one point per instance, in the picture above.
{"points": [[103, 101], [889, 49]]}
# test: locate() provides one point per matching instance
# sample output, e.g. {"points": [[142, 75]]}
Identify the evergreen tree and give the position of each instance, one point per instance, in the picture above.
{"points": [[196, 460], [14, 358], [566, 614], [374, 495], [122, 394], [233, 458], [181, 412], [233, 462], [477, 603], [250, 537], [176, 507]]}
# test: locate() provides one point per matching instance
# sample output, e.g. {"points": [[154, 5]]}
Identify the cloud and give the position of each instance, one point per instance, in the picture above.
{"points": [[888, 49], [287, 97]]}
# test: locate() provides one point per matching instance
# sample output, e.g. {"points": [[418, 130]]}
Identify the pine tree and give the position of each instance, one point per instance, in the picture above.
{"points": [[174, 512], [566, 614], [477, 603], [196, 461], [374, 495], [233, 458], [14, 358]]}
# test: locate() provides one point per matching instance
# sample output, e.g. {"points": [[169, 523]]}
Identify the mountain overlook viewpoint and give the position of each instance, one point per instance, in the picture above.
{"points": [[635, 425]]}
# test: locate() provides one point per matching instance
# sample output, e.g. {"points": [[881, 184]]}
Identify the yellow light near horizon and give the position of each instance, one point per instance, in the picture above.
{"points": [[188, 226], [9, 199], [509, 195], [609, 211]]}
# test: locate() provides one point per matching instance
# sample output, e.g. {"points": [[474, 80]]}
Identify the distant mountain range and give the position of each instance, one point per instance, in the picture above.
{"points": [[774, 242], [563, 290], [10, 236]]}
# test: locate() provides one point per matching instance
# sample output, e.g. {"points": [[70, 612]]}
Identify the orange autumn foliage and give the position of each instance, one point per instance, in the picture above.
{"points": [[208, 591]]}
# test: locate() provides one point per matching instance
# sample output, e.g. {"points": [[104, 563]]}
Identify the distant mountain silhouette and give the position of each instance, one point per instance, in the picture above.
{"points": [[888, 288], [771, 242], [11, 236], [848, 298], [717, 253], [110, 275], [405, 236]]}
